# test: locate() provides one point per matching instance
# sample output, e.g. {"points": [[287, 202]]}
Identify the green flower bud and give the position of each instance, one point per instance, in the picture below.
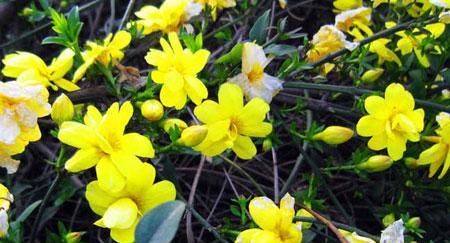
{"points": [[388, 219], [414, 222]]}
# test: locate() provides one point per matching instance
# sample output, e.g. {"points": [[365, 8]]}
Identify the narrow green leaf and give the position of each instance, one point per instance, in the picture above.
{"points": [[258, 32], [161, 223], [280, 50], [28, 211]]}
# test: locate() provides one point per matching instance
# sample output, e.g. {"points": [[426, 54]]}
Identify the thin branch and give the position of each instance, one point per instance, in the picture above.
{"points": [[189, 231], [127, 13]]}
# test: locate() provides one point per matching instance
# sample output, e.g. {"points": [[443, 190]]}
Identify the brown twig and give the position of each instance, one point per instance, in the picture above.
{"points": [[328, 223], [189, 231]]}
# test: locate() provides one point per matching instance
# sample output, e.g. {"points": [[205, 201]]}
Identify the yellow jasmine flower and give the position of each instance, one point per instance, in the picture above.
{"points": [[231, 124], [253, 81], [122, 210], [177, 70], [102, 143], [376, 163], [275, 223], [372, 75], [354, 21], [31, 69], [342, 5], [170, 16], [439, 154], [326, 41], [441, 3], [391, 121], [353, 237], [218, 4], [6, 198], [109, 52], [413, 42], [384, 54], [20, 107]]}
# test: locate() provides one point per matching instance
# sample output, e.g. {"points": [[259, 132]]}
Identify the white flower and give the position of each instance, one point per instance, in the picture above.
{"points": [[393, 233], [193, 9], [253, 81], [4, 225]]}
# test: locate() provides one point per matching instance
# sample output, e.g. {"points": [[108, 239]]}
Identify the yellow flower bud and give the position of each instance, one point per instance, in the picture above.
{"points": [[372, 75], [172, 123], [388, 219], [414, 222], [152, 110], [193, 136], [73, 237], [334, 135], [62, 109], [376, 163], [411, 163], [432, 139], [282, 3]]}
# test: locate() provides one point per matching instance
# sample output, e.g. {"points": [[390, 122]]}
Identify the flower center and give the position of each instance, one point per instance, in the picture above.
{"points": [[256, 73]]}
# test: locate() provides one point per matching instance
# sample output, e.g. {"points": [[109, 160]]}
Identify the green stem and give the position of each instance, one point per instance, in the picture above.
{"points": [[342, 167], [357, 91], [340, 226], [244, 173]]}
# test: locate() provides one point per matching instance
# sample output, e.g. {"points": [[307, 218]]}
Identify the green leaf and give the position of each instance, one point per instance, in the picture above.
{"points": [[26, 213], [54, 40], [258, 32], [233, 57], [280, 50], [161, 223]]}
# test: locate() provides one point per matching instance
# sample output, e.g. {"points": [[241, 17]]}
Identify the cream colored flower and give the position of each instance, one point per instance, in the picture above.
{"points": [[354, 21], [253, 81], [393, 233]]}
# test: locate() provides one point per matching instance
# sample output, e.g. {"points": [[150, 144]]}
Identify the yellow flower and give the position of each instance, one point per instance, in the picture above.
{"points": [[275, 223], [342, 5], [439, 154], [122, 210], [417, 8], [217, 4], [282, 3], [326, 41], [441, 3], [170, 16], [384, 54], [392, 121], [253, 81], [177, 70], [106, 53], [152, 110], [102, 143], [31, 69], [413, 42], [372, 75], [354, 21], [334, 135], [376, 163], [62, 109], [20, 107], [231, 124], [6, 198], [355, 238], [193, 135]]}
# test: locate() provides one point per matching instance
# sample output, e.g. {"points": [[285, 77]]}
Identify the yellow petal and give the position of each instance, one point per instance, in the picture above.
{"points": [[83, 159], [208, 112], [434, 154], [138, 145], [369, 126], [265, 213], [231, 98], [199, 60], [157, 194], [400, 99], [175, 43], [109, 177], [377, 107], [251, 118], [396, 146], [244, 147], [171, 98], [195, 89], [77, 135], [121, 214], [378, 142], [66, 85], [422, 57], [124, 235], [446, 165], [62, 64], [121, 40], [98, 199], [247, 236], [93, 117]]}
